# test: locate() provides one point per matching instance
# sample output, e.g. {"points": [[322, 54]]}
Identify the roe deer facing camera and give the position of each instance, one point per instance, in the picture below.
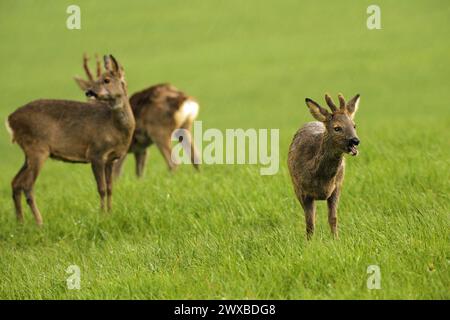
{"points": [[98, 132], [158, 110], [316, 157]]}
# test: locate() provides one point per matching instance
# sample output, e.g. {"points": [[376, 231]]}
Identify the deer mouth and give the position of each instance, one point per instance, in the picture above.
{"points": [[353, 150], [91, 94]]}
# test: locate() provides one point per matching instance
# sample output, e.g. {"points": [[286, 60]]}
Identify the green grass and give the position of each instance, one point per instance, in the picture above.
{"points": [[229, 232]]}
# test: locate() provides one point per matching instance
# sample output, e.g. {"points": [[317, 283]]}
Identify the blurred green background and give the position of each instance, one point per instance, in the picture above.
{"points": [[229, 232]]}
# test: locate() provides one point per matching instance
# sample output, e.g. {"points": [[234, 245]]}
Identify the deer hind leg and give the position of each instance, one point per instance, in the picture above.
{"points": [[141, 159], [109, 169], [310, 215], [332, 203], [24, 182], [29, 195], [117, 167], [17, 189], [98, 168], [190, 146], [164, 144]]}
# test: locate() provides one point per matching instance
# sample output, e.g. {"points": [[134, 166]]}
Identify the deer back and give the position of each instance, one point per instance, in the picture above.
{"points": [[162, 106]]}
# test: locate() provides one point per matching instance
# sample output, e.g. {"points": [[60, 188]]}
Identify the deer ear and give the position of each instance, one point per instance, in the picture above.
{"points": [[114, 64], [83, 84], [352, 106], [117, 68], [107, 63], [317, 111], [121, 74]]}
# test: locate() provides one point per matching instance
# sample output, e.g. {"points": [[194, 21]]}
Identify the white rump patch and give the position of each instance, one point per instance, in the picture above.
{"points": [[10, 131], [189, 109]]}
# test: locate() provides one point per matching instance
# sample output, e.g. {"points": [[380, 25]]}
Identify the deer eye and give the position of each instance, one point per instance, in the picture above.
{"points": [[106, 81], [337, 129], [354, 126]]}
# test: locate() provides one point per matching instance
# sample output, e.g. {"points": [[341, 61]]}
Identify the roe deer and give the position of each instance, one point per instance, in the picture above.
{"points": [[99, 133], [158, 110], [316, 161]]}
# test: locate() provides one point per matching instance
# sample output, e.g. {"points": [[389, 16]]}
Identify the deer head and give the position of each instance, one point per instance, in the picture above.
{"points": [[339, 124], [109, 85]]}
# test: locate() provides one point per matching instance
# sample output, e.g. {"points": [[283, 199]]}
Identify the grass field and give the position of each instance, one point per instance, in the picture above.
{"points": [[229, 232]]}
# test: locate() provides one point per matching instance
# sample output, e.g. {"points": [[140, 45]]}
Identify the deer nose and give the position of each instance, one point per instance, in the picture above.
{"points": [[353, 141], [90, 93]]}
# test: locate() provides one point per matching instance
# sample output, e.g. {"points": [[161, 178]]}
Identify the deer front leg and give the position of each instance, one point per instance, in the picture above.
{"points": [[109, 169], [332, 203], [310, 215], [141, 159], [98, 168]]}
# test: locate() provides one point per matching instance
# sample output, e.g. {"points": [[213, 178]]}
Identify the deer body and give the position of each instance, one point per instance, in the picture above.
{"points": [[70, 131], [158, 110], [315, 170], [98, 132], [316, 158]]}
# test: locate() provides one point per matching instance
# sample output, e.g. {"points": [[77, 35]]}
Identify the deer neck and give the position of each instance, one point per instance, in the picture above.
{"points": [[123, 114], [329, 159]]}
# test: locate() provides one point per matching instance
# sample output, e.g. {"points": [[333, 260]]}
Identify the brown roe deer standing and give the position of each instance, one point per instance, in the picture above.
{"points": [[158, 110], [98, 132], [316, 161]]}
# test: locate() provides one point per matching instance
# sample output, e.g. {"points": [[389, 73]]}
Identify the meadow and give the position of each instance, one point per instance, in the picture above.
{"points": [[228, 232]]}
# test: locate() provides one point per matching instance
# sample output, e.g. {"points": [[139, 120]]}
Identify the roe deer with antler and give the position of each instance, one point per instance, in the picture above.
{"points": [[159, 111], [316, 161], [98, 132]]}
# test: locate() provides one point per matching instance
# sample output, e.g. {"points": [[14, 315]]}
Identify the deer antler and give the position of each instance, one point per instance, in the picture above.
{"points": [[86, 67], [330, 103], [99, 66], [341, 101]]}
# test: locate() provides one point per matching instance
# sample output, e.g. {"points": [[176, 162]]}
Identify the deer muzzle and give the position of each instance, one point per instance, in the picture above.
{"points": [[352, 146], [90, 93]]}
